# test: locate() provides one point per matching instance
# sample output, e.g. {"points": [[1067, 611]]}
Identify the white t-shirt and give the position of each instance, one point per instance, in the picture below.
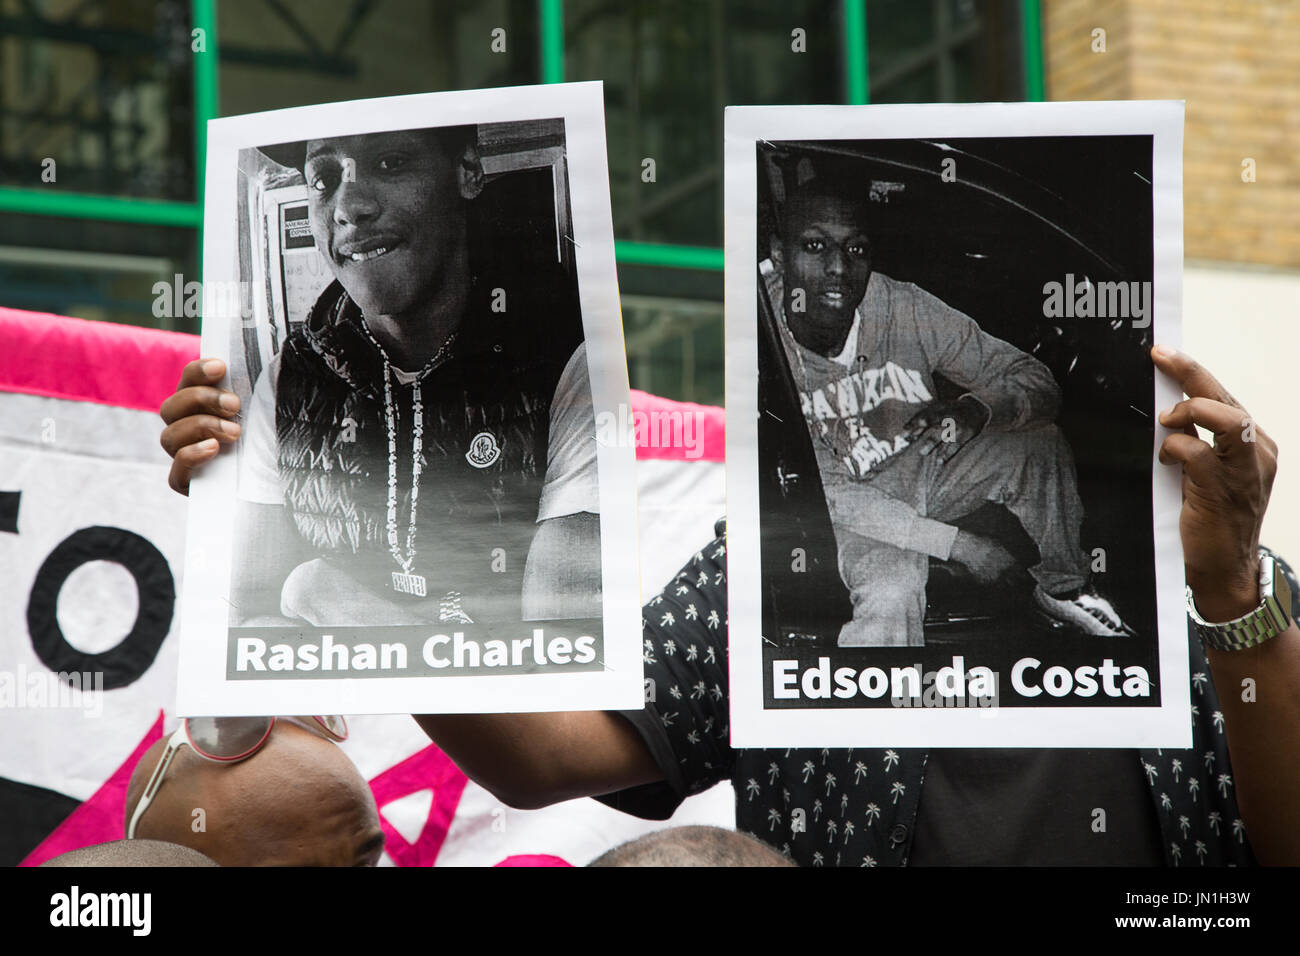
{"points": [[849, 354], [571, 485]]}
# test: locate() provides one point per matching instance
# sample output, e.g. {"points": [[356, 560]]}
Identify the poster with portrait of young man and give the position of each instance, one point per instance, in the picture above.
{"points": [[948, 524], [417, 302]]}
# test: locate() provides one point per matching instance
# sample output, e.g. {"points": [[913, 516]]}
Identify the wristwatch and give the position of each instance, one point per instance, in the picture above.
{"points": [[1271, 618]]}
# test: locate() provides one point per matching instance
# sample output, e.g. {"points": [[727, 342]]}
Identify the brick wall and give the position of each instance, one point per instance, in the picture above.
{"points": [[1237, 64]]}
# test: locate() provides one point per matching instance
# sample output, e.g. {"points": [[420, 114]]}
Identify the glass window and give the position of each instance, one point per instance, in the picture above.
{"points": [[944, 51], [299, 52], [669, 69], [674, 347], [672, 326], [97, 97], [99, 270]]}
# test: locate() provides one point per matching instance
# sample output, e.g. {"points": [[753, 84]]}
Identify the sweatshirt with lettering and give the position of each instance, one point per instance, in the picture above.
{"points": [[858, 403]]}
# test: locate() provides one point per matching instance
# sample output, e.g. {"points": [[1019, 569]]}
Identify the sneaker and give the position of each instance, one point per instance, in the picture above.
{"points": [[1089, 613]]}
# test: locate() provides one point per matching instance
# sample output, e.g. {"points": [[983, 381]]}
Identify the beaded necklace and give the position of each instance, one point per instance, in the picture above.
{"points": [[405, 581]]}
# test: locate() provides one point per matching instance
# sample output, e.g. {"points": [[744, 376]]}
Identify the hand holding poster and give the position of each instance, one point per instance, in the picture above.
{"points": [[948, 526], [420, 316]]}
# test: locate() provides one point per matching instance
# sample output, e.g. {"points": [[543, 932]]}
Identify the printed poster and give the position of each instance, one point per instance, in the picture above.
{"points": [[948, 525], [417, 300]]}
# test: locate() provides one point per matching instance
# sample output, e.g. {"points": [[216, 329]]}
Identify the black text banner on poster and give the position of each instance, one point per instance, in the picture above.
{"points": [[277, 653]]}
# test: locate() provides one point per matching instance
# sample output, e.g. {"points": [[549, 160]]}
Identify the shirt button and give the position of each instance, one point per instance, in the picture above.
{"points": [[898, 835]]}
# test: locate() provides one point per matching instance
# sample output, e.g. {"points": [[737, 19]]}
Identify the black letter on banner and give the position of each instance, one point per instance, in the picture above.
{"points": [[9, 510], [124, 663]]}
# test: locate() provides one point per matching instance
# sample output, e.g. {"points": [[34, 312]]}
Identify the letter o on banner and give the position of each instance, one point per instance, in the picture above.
{"points": [[125, 662]]}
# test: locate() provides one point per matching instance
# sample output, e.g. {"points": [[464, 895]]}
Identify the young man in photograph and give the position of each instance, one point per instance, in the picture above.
{"points": [[409, 451], [898, 464]]}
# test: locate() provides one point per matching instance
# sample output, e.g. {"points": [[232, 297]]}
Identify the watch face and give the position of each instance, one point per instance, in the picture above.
{"points": [[1281, 588]]}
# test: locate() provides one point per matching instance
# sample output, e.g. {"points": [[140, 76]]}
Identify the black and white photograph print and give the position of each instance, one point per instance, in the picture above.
{"points": [[953, 453], [418, 489], [400, 430]]}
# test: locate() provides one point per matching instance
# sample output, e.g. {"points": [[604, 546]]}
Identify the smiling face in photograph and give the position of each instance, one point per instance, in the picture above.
{"points": [[387, 212], [825, 253]]}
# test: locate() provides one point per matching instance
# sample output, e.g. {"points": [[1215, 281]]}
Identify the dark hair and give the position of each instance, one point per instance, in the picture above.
{"points": [[818, 189], [454, 139]]}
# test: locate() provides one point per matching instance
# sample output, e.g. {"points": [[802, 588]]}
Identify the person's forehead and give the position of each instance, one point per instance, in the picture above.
{"points": [[336, 832], [310, 804], [366, 143], [821, 212]]}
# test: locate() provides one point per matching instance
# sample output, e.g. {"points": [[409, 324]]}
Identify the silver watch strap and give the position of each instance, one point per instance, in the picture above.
{"points": [[1271, 618]]}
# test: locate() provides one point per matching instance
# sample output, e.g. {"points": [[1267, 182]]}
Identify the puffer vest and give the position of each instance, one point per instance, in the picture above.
{"points": [[486, 410]]}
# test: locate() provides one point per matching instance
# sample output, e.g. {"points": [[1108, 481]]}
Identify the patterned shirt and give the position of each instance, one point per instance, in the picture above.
{"points": [[858, 807]]}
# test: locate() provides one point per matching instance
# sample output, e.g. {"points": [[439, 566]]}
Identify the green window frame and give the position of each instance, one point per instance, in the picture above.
{"points": [[551, 23], [155, 212]]}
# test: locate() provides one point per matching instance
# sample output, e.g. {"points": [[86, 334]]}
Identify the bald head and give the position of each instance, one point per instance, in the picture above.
{"points": [[131, 853], [693, 846], [298, 801]]}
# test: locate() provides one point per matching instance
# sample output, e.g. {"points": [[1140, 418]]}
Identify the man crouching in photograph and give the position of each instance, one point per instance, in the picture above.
{"points": [[899, 466], [417, 451]]}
